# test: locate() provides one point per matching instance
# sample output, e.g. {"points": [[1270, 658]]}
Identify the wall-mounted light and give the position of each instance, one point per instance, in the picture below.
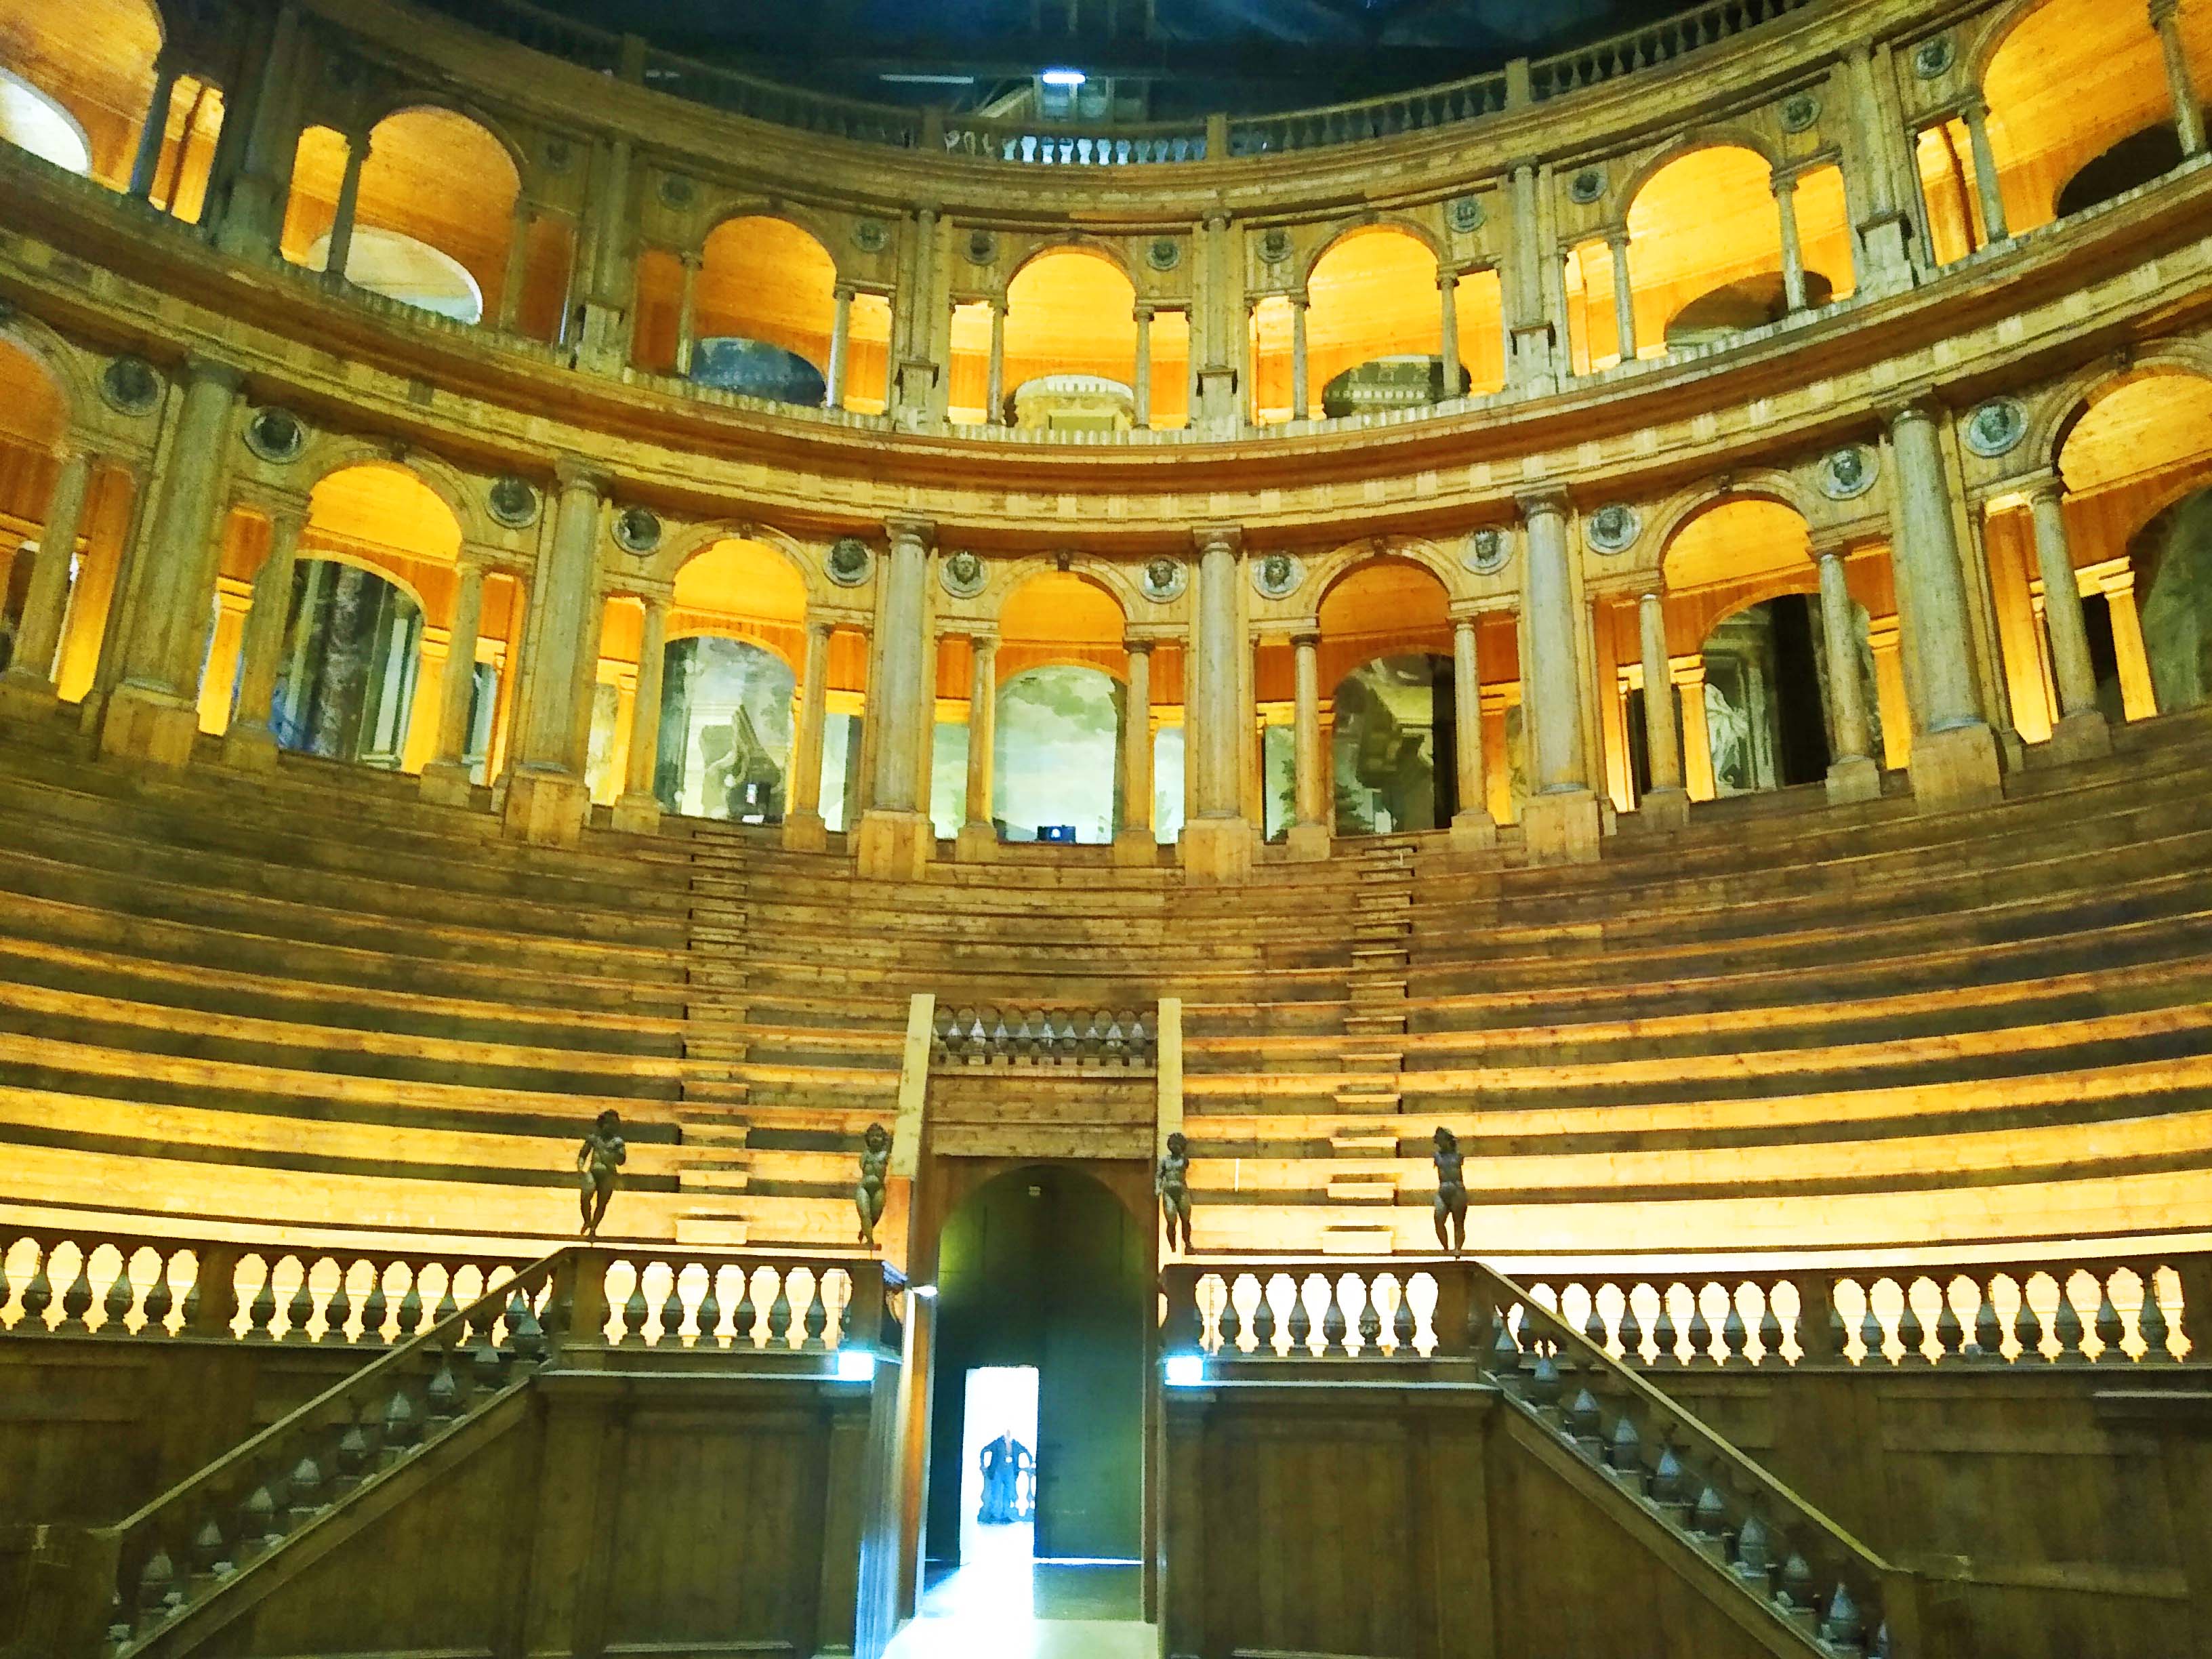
{"points": [[1063, 78], [856, 1364], [1186, 1370], [927, 1292]]}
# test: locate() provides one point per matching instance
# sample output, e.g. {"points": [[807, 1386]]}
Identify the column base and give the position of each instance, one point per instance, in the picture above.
{"points": [[1561, 828], [1217, 410], [976, 843], [1665, 809], [1886, 250], [805, 832], [250, 749], [2085, 736], [26, 698], [547, 807], [2012, 749], [1474, 831], [1135, 848], [914, 408], [1217, 849], [1853, 777], [150, 726], [894, 846], [446, 783], [1956, 769], [1309, 842], [638, 815]]}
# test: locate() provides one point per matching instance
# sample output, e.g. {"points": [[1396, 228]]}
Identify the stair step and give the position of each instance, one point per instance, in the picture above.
{"points": [[710, 1229], [1356, 1239], [1362, 1189]]}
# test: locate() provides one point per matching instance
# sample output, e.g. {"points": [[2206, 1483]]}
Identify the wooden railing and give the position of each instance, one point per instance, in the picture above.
{"points": [[1038, 1036]]}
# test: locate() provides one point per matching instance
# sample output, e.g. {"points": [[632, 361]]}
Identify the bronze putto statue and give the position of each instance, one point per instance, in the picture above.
{"points": [[1171, 1182], [599, 1168], [1451, 1193], [875, 1168]]}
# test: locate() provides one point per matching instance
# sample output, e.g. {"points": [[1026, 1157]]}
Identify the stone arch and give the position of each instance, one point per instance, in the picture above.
{"points": [[1781, 489], [1405, 224], [764, 277], [427, 98], [1332, 568], [106, 94], [1111, 579], [342, 453], [1097, 247], [1996, 27], [65, 366], [799, 218], [1772, 491], [356, 560], [2053, 416], [772, 647], [1728, 136], [683, 546]]}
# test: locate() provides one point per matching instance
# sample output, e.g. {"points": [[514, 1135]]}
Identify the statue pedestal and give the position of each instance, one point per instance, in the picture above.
{"points": [[639, 815], [1135, 848]]}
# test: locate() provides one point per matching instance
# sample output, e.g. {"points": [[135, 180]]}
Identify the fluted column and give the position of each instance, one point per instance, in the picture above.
{"points": [[1853, 772], [1133, 843], [1448, 330], [1301, 389], [840, 345], [1954, 754], [2181, 87], [1313, 822], [687, 314], [546, 797], [1624, 295], [2081, 729], [1985, 171], [1217, 839], [1560, 821], [1472, 826], [1141, 392], [339, 248], [147, 163], [803, 828], [30, 673], [995, 397], [446, 774], [639, 807], [895, 837], [249, 740], [1793, 248], [153, 712], [1667, 801], [979, 833]]}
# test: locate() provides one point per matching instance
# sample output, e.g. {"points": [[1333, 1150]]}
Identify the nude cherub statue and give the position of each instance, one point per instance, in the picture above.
{"points": [[875, 1166], [1451, 1193], [599, 1168], [1172, 1183]]}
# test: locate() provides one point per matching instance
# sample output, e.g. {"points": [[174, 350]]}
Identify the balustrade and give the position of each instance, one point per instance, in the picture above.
{"points": [[1122, 1037], [712, 1301]]}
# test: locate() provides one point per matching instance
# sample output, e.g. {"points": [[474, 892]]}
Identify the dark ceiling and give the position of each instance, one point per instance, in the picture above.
{"points": [[1243, 56]]}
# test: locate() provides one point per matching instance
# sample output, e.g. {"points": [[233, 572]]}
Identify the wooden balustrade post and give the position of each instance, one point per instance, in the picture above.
{"points": [[579, 1284], [68, 1584], [864, 1313], [1816, 1301], [1462, 1328], [215, 1277], [2193, 1319], [1182, 1333]]}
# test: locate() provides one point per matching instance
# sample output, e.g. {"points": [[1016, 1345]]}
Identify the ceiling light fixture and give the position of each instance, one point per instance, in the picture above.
{"points": [[1063, 78]]}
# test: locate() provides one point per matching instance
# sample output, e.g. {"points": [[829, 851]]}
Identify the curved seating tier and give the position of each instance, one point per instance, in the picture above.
{"points": [[308, 999]]}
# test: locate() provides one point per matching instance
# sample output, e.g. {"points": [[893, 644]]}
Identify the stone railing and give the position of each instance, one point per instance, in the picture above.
{"points": [[1375, 1317], [970, 1035], [1054, 144]]}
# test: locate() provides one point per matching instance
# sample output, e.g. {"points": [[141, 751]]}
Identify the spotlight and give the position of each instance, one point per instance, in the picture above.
{"points": [[1186, 1370], [855, 1365]]}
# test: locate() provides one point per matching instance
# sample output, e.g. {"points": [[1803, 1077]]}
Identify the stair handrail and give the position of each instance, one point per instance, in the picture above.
{"points": [[1544, 1365], [261, 1476]]}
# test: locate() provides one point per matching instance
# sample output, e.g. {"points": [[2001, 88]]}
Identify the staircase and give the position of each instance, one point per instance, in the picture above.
{"points": [[1364, 1143], [715, 1168]]}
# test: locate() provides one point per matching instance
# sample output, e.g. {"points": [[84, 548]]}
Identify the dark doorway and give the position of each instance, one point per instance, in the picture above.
{"points": [[1044, 1267]]}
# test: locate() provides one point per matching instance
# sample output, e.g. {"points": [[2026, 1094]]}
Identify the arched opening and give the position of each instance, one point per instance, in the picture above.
{"points": [[1041, 1271], [1389, 723], [1748, 657], [1070, 347], [40, 124], [434, 224], [92, 58], [1374, 327], [34, 416], [725, 729], [764, 314], [2073, 91]]}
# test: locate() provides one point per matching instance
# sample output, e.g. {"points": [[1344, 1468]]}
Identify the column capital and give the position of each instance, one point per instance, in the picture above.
{"points": [[1207, 536], [289, 519], [1618, 237], [2044, 486], [1145, 310], [983, 641], [1917, 406], [1652, 595], [845, 291], [575, 471], [1306, 639], [1542, 499], [1828, 547], [1448, 276], [2163, 14], [1217, 220], [692, 258], [822, 626], [1783, 180], [1137, 647], [1299, 297], [204, 366], [899, 527]]}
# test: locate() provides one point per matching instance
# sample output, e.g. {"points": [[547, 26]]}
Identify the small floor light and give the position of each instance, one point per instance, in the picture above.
{"points": [[855, 1365], [1186, 1370]]}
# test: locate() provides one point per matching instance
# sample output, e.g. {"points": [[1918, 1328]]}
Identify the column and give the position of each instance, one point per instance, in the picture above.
{"points": [[994, 397], [2188, 112], [914, 364], [340, 242], [2082, 728], [147, 162], [1301, 405], [841, 342], [1134, 842], [1529, 341], [517, 264], [153, 713], [1312, 823], [1884, 226], [687, 315], [979, 835], [1217, 839], [1472, 826], [1853, 773], [1696, 737], [249, 741], [1217, 342], [1561, 819], [30, 673], [803, 828], [1666, 802], [895, 837], [1793, 248], [1985, 171], [1624, 295], [546, 797], [445, 776], [1447, 327], [1954, 754], [639, 808], [1142, 391], [2138, 695]]}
